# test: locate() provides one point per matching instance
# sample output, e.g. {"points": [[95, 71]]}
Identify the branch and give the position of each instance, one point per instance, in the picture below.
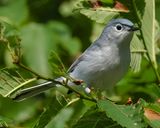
{"points": [[15, 54], [55, 82]]}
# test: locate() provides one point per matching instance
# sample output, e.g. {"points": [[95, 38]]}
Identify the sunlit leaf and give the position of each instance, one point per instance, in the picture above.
{"points": [[154, 123], [100, 16], [152, 113], [107, 1], [127, 116], [3, 124], [15, 6], [148, 30], [11, 81], [7, 28]]}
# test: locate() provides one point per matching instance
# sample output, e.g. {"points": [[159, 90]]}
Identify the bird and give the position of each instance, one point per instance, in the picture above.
{"points": [[102, 64]]}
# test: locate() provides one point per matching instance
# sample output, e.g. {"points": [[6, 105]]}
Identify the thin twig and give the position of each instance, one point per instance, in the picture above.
{"points": [[55, 82], [16, 61]]}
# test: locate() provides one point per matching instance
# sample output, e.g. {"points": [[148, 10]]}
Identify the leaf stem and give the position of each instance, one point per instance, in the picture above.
{"points": [[31, 71]]}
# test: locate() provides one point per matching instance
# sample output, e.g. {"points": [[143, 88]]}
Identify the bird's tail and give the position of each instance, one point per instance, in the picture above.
{"points": [[35, 90]]}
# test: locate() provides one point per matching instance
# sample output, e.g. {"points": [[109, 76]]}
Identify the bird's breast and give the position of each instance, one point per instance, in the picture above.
{"points": [[103, 68]]}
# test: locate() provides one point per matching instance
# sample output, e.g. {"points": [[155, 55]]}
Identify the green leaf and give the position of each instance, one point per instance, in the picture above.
{"points": [[61, 119], [107, 1], [35, 36], [154, 107], [11, 81], [44, 39], [57, 65], [137, 50], [55, 106], [3, 124], [148, 30], [15, 11], [154, 123], [154, 110], [99, 15], [94, 118], [79, 109], [18, 112], [66, 8], [127, 116], [7, 28], [61, 35]]}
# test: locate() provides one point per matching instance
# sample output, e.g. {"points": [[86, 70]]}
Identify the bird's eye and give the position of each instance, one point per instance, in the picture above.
{"points": [[119, 27]]}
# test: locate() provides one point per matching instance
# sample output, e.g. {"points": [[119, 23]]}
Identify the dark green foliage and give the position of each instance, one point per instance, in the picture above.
{"points": [[47, 35]]}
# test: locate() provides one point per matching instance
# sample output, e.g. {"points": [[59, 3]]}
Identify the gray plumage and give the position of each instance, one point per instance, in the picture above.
{"points": [[103, 64]]}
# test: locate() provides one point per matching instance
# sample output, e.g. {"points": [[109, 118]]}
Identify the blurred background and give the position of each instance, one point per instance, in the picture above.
{"points": [[47, 26], [44, 26]]}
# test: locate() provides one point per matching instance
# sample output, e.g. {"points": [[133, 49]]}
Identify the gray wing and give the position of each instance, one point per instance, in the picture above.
{"points": [[75, 64], [92, 48]]}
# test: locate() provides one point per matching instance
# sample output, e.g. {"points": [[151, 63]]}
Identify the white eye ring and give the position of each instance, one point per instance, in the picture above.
{"points": [[118, 27]]}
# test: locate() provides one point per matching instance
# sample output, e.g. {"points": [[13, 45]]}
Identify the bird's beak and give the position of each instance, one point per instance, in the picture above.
{"points": [[134, 28]]}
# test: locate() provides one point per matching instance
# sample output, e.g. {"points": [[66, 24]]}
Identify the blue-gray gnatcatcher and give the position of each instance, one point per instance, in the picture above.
{"points": [[103, 64]]}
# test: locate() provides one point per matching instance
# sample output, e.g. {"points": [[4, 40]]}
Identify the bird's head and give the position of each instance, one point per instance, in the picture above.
{"points": [[119, 30]]}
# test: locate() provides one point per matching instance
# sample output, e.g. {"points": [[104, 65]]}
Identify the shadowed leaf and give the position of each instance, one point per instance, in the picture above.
{"points": [[55, 106], [94, 118]]}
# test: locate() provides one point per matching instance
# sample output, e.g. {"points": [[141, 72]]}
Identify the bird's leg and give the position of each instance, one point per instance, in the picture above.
{"points": [[78, 82]]}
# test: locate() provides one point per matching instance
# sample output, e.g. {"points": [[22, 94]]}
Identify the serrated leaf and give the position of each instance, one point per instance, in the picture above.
{"points": [[127, 116], [148, 30], [98, 15], [11, 81], [152, 118], [154, 123], [94, 118], [154, 107], [57, 65], [55, 106], [152, 113], [3, 124], [137, 50]]}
